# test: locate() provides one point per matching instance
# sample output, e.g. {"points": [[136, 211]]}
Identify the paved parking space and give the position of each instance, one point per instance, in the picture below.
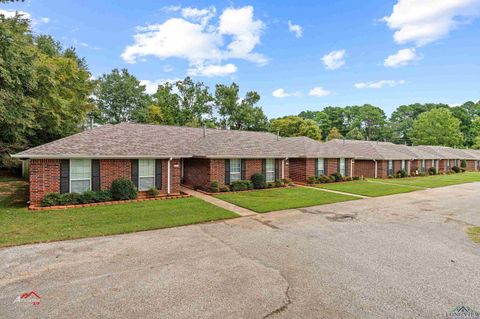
{"points": [[400, 256]]}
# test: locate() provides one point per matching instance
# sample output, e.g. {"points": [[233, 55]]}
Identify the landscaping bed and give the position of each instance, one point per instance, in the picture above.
{"points": [[432, 181], [268, 200]]}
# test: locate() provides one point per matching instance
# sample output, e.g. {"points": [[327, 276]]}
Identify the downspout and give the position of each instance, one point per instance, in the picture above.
{"points": [[376, 168], [351, 167], [168, 175], [283, 167]]}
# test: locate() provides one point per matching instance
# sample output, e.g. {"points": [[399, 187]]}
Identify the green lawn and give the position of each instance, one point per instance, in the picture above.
{"points": [[437, 180], [20, 226], [474, 234], [268, 200], [367, 188]]}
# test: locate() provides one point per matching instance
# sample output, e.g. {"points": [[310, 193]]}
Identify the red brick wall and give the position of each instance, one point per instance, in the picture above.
{"points": [[44, 179], [299, 169], [175, 175], [217, 171], [196, 171], [364, 168], [111, 169]]}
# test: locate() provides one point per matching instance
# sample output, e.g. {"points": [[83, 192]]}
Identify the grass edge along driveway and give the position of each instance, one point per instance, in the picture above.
{"points": [[368, 188], [267, 200], [20, 226]]}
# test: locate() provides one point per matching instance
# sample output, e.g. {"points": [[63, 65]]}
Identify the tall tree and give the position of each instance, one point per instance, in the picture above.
{"points": [[236, 113], [367, 118], [119, 97], [44, 90], [321, 118], [296, 126], [195, 103], [337, 117], [436, 127], [355, 134], [334, 134]]}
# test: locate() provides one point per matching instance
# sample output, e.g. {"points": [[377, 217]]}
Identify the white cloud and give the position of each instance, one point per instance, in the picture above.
{"points": [[295, 28], [426, 21], [201, 15], [45, 20], [281, 93], [212, 70], [319, 91], [11, 13], [334, 59], [401, 58], [151, 86], [378, 84], [202, 43]]}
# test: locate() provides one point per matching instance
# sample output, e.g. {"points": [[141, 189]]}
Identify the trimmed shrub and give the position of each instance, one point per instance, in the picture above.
{"points": [[356, 178], [88, 197], [278, 183], [123, 189], [456, 169], [311, 179], [224, 189], [104, 196], [270, 185], [70, 199], [323, 179], [152, 192], [214, 187], [348, 179], [337, 177], [401, 173], [287, 181], [51, 199], [241, 185], [258, 181], [432, 171]]}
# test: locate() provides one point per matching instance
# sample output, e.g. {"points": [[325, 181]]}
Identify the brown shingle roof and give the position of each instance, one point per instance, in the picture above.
{"points": [[375, 150], [449, 152], [424, 153], [306, 147]]}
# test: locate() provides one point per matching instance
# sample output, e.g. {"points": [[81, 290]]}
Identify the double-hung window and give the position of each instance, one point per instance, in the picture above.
{"points": [[146, 174], [390, 168], [80, 175], [342, 168], [235, 170], [403, 165], [424, 166], [448, 165], [456, 162], [270, 170], [320, 166]]}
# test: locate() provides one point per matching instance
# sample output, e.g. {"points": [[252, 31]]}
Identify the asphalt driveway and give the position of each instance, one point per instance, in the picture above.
{"points": [[400, 256]]}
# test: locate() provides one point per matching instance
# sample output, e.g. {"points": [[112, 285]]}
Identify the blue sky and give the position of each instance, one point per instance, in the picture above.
{"points": [[385, 53]]}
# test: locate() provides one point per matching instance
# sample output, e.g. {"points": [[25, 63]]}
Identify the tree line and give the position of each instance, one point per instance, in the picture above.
{"points": [[47, 92]]}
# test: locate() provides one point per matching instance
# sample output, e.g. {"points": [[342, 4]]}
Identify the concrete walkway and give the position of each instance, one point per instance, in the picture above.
{"points": [[336, 192], [218, 202]]}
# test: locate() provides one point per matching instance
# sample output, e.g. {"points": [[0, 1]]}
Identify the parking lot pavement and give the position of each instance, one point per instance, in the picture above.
{"points": [[400, 256]]}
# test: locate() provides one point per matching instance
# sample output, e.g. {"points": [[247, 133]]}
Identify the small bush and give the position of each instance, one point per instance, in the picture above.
{"points": [[270, 185], [348, 179], [51, 199], [463, 165], [278, 183], [402, 173], [70, 199], [432, 171], [241, 185], [152, 192], [311, 180], [390, 176], [287, 181], [456, 169], [104, 196], [88, 197], [258, 181], [337, 177], [224, 189], [214, 187], [356, 178], [123, 189]]}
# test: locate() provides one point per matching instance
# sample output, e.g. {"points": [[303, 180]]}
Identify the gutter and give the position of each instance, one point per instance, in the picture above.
{"points": [[376, 168], [69, 156]]}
